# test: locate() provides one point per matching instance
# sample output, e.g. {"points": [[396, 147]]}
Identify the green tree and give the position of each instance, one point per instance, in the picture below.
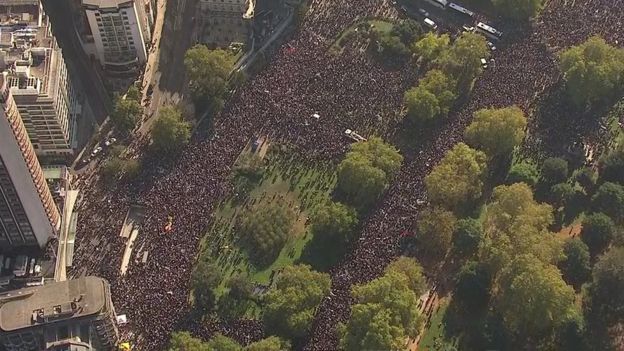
{"points": [[125, 114], [381, 155], [554, 170], [334, 222], [132, 168], [264, 231], [204, 280], [612, 166], [422, 105], [458, 178], [467, 236], [597, 232], [433, 97], [472, 290], [208, 72], [587, 178], [523, 172], [385, 315], [240, 287], [223, 343], [362, 182], [184, 341], [407, 30], [515, 224], [605, 300], [562, 193], [463, 59], [592, 71], [435, 230], [533, 298], [576, 267], [519, 9], [133, 93], [497, 131], [291, 303], [392, 47], [363, 174], [170, 131], [412, 270], [112, 168], [431, 46], [609, 198], [272, 343]]}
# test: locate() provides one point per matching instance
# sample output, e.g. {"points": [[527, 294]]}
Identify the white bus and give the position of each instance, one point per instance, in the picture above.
{"points": [[489, 31], [461, 9], [438, 3]]}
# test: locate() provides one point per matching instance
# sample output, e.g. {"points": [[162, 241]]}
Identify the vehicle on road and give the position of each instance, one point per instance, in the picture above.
{"points": [[431, 24], [423, 12]]}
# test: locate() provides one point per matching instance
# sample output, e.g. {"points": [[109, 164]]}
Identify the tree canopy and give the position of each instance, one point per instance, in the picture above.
{"points": [[126, 113], [291, 303], [431, 46], [264, 231], [458, 178], [334, 222], [533, 298], [365, 172], [612, 166], [515, 224], [519, 9], [170, 131], [435, 230], [462, 60], [609, 199], [385, 315], [208, 71], [523, 172], [412, 270], [205, 278], [576, 267], [554, 170], [497, 131], [467, 236], [597, 232], [605, 298], [593, 71], [432, 98]]}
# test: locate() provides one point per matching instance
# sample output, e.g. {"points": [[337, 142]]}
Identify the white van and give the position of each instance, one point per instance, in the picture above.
{"points": [[431, 24]]}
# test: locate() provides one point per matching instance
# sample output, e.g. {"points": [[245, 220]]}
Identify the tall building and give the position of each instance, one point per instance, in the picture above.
{"points": [[35, 77], [225, 22], [75, 315], [120, 30], [28, 214]]}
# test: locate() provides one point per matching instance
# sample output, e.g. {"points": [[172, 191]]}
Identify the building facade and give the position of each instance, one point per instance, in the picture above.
{"points": [[120, 30], [28, 214], [35, 78], [226, 21], [69, 315]]}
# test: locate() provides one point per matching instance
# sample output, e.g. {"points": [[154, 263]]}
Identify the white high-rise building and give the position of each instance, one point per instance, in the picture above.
{"points": [[120, 30], [35, 77]]}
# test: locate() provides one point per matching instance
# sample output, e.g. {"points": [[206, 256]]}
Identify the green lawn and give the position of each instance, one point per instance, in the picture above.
{"points": [[380, 26], [302, 186], [434, 337]]}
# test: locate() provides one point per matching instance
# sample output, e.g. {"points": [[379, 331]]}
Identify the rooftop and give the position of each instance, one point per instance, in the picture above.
{"points": [[49, 303]]}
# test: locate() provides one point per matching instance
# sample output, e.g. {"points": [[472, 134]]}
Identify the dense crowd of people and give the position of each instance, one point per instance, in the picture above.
{"points": [[346, 91]]}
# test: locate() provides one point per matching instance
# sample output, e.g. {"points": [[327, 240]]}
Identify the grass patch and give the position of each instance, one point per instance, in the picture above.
{"points": [[286, 178], [380, 26], [435, 336]]}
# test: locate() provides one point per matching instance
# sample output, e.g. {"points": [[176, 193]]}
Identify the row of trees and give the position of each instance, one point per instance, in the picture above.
{"points": [[455, 66], [209, 72], [184, 341]]}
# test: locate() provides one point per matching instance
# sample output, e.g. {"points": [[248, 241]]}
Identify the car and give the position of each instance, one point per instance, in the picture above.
{"points": [[423, 12], [110, 141], [491, 46], [431, 24], [96, 151], [468, 28], [484, 63]]}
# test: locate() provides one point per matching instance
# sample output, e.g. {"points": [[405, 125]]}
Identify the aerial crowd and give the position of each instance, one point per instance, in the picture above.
{"points": [[349, 91]]}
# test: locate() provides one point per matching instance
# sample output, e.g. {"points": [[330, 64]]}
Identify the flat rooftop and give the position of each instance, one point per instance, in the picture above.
{"points": [[52, 302]]}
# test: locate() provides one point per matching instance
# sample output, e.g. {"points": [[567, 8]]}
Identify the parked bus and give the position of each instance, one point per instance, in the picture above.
{"points": [[489, 31], [20, 266], [460, 9]]}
